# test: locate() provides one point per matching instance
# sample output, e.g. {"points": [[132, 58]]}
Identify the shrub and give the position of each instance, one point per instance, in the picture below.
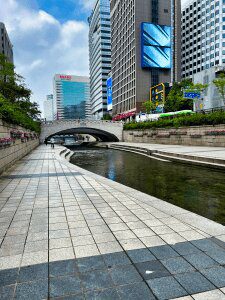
{"points": [[11, 113], [214, 118]]}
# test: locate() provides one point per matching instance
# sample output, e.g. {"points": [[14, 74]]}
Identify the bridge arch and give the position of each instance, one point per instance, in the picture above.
{"points": [[105, 131]]}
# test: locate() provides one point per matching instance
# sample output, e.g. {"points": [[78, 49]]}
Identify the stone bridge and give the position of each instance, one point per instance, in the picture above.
{"points": [[105, 131]]}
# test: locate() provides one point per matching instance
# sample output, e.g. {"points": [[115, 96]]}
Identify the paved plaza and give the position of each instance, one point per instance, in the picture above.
{"points": [[66, 233]]}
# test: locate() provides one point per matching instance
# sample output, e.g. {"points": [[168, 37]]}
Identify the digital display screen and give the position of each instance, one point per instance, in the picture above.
{"points": [[156, 35], [156, 46], [156, 57], [109, 93]]}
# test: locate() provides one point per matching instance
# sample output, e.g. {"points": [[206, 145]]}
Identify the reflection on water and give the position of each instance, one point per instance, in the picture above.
{"points": [[196, 189]]}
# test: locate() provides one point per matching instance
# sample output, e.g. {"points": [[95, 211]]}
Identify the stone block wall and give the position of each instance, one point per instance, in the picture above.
{"points": [[16, 149], [192, 136]]}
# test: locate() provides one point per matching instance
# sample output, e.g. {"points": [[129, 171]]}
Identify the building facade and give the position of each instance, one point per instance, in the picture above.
{"points": [[203, 46], [131, 79], [71, 97], [99, 56], [6, 46], [49, 108]]}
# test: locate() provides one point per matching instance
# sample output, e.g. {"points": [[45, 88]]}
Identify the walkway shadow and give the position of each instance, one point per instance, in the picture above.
{"points": [[163, 272]]}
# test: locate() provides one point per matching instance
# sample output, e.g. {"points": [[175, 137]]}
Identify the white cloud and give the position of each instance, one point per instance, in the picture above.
{"points": [[43, 46], [87, 4]]}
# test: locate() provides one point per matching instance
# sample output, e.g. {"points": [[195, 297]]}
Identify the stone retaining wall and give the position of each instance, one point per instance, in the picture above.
{"points": [[17, 148], [192, 136]]}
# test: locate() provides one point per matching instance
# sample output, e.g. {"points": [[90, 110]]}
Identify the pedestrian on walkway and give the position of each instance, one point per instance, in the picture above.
{"points": [[46, 142], [52, 141]]}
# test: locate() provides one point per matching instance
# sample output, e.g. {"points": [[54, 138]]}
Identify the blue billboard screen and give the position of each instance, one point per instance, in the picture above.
{"points": [[109, 93], [156, 46], [156, 57], [156, 35]]}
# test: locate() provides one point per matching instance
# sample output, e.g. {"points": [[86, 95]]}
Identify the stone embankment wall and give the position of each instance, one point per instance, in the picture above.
{"points": [[15, 143], [193, 136]]}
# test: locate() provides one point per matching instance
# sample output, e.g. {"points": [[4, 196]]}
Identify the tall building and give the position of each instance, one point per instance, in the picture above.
{"points": [[49, 108], [71, 97], [203, 46], [145, 50], [6, 46], [99, 56], [176, 39]]}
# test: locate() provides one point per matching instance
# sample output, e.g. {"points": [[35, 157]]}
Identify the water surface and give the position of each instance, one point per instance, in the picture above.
{"points": [[196, 189]]}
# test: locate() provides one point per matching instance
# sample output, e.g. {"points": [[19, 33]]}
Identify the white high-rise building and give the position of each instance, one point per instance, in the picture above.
{"points": [[203, 46], [99, 56], [48, 108]]}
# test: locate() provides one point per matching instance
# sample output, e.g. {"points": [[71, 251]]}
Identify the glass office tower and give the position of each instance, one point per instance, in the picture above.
{"points": [[99, 56], [71, 97]]}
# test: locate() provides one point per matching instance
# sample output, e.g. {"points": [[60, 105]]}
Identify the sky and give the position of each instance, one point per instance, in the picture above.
{"points": [[49, 37]]}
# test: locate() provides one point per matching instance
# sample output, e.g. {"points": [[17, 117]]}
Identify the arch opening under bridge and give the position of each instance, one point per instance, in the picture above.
{"points": [[104, 131]]}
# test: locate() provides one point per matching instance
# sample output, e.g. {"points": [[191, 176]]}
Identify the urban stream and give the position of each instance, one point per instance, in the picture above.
{"points": [[197, 189]]}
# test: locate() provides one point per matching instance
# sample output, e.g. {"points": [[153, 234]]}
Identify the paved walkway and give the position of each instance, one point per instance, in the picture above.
{"points": [[66, 233], [195, 151], [210, 155]]}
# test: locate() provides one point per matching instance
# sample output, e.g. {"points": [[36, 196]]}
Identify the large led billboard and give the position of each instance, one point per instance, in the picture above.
{"points": [[156, 46]]}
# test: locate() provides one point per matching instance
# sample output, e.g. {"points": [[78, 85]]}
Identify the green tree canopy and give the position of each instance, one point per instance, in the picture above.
{"points": [[148, 106], [220, 84], [175, 100], [12, 85], [15, 104]]}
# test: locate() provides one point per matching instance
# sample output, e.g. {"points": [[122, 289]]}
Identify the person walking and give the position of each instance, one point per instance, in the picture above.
{"points": [[52, 141], [46, 142]]}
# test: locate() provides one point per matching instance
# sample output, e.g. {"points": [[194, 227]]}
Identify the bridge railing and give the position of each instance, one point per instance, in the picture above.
{"points": [[80, 122]]}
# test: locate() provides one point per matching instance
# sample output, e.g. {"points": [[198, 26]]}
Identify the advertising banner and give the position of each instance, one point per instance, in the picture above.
{"points": [[109, 94], [156, 44]]}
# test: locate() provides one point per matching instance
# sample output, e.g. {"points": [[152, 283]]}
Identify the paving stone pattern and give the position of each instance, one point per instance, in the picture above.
{"points": [[69, 234]]}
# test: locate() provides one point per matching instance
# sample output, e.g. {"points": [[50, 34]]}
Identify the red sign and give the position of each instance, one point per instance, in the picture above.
{"points": [[67, 77], [124, 116]]}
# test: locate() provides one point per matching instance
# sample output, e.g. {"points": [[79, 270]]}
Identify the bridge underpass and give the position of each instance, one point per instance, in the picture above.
{"points": [[105, 131], [99, 135]]}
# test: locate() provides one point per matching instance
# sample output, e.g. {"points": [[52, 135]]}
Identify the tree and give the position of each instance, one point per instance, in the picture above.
{"points": [[175, 100], [15, 104], [149, 106], [12, 85], [220, 84]]}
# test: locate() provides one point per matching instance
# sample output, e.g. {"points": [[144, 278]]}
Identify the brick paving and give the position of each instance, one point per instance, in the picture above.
{"points": [[66, 233]]}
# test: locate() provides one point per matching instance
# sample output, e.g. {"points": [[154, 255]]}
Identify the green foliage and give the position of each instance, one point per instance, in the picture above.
{"points": [[220, 84], [15, 104], [107, 118], [214, 118], [12, 85], [175, 100], [198, 87], [12, 113], [149, 106]]}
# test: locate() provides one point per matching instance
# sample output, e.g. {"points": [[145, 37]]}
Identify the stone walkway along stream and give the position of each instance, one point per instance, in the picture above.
{"points": [[66, 233]]}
